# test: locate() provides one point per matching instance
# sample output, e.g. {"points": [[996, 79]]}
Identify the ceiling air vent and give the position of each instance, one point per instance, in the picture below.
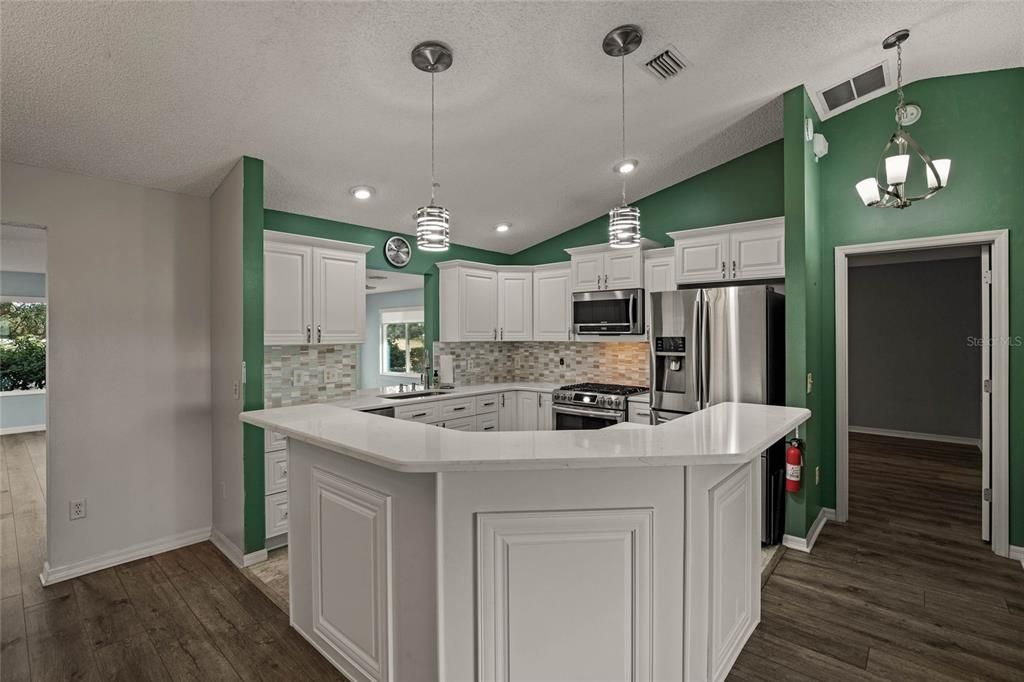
{"points": [[844, 95], [666, 64]]}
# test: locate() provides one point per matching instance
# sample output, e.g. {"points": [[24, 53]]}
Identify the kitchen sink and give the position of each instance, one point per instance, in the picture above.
{"points": [[411, 394]]}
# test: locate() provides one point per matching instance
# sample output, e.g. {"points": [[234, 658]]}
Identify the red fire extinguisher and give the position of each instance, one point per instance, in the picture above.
{"points": [[794, 463]]}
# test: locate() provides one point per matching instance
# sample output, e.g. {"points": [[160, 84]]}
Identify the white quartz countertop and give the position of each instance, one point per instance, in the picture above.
{"points": [[369, 399], [728, 433]]}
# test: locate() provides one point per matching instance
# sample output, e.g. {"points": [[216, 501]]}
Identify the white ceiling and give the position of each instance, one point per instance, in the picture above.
{"points": [[386, 281], [170, 94]]}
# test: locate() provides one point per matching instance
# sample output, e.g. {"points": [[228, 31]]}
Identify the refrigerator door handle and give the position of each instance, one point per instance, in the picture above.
{"points": [[694, 354], [705, 347]]}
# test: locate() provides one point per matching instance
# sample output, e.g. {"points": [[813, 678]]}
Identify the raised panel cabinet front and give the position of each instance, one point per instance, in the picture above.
{"points": [[659, 273], [478, 301], [515, 306], [587, 272], [702, 259], [351, 548], [339, 296], [565, 595], [552, 305], [624, 269], [287, 294], [758, 252], [527, 410]]}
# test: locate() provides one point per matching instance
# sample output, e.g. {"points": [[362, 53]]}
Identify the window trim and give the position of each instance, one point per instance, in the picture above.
{"points": [[383, 347]]}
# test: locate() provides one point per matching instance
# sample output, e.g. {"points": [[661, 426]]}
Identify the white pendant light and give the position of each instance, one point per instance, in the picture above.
{"points": [[623, 220], [433, 223], [893, 193]]}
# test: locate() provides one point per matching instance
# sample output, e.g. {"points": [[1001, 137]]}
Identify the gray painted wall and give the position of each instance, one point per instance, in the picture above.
{"points": [[911, 365], [369, 354]]}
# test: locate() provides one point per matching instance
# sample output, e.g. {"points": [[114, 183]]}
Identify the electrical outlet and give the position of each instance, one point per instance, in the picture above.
{"points": [[817, 475], [76, 509], [234, 390], [300, 377], [332, 375]]}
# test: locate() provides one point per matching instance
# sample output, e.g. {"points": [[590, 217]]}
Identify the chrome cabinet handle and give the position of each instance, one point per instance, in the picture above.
{"points": [[568, 334], [606, 281], [599, 281], [419, 414], [503, 400], [309, 333], [538, 400], [495, 334], [458, 409], [734, 269], [502, 332], [632, 300], [319, 334], [723, 269]]}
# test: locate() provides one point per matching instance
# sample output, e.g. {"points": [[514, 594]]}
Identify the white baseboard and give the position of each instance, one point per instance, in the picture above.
{"points": [[806, 544], [234, 553], [9, 430], [934, 437], [51, 574], [1017, 554]]}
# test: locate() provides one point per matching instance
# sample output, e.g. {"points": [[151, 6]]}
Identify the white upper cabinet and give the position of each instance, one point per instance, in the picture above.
{"points": [[314, 290], [478, 299], [597, 268], [339, 296], [287, 294], [744, 251], [659, 270], [552, 303], [515, 305]]}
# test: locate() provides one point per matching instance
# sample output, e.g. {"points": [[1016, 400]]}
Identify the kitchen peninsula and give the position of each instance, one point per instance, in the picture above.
{"points": [[424, 553]]}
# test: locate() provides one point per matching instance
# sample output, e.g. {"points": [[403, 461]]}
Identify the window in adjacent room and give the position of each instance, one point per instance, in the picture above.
{"points": [[402, 349]]}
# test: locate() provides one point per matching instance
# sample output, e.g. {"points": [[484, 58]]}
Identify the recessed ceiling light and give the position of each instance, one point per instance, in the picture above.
{"points": [[626, 166], [502, 227], [362, 192]]}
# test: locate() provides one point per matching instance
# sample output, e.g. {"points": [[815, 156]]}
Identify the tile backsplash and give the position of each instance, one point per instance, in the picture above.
{"points": [[282, 364], [556, 362]]}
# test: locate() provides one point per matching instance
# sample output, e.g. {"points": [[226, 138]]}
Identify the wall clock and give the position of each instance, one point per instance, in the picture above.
{"points": [[397, 252]]}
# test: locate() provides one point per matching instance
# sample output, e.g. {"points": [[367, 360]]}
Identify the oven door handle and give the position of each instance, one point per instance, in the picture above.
{"points": [[583, 412]]}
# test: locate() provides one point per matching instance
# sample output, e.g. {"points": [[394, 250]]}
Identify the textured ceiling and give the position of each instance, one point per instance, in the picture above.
{"points": [[170, 94]]}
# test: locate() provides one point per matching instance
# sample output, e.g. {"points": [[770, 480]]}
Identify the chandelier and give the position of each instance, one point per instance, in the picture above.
{"points": [[623, 220], [432, 222], [892, 193]]}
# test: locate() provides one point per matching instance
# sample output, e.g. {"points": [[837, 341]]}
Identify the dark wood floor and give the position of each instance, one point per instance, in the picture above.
{"points": [[183, 615], [905, 590]]}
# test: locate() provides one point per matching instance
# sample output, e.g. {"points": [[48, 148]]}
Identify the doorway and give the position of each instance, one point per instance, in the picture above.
{"points": [[897, 416]]}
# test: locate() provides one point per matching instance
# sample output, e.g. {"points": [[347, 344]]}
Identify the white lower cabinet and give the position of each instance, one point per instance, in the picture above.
{"points": [[507, 413], [277, 513], [639, 413], [487, 422], [460, 424], [528, 410], [545, 418], [275, 471]]}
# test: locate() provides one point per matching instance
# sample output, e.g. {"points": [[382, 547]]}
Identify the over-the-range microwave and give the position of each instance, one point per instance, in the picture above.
{"points": [[608, 313]]}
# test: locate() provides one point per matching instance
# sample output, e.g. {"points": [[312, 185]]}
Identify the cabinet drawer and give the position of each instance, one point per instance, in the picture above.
{"points": [[487, 403], [639, 413], [461, 407], [277, 514], [418, 413], [460, 424], [275, 471], [272, 440], [487, 422]]}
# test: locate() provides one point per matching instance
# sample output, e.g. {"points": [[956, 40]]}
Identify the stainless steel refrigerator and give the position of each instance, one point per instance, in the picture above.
{"points": [[722, 344]]}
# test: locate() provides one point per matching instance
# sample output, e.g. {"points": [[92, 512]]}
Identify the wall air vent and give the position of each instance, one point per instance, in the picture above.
{"points": [[666, 64], [845, 95]]}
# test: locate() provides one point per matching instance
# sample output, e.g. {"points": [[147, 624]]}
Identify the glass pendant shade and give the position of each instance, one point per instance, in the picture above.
{"points": [[432, 228], [624, 227], [942, 166], [896, 169], [868, 191]]}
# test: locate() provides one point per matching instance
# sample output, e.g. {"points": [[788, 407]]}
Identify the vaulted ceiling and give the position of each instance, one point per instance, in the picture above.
{"points": [[170, 94]]}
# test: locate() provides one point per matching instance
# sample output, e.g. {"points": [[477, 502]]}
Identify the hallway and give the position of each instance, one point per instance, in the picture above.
{"points": [[905, 590]]}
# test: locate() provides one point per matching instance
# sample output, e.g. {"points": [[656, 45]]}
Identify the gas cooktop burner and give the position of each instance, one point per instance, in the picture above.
{"points": [[610, 389]]}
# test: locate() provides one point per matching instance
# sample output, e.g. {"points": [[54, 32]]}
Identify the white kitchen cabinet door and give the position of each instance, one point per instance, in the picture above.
{"points": [[478, 302], [545, 419], [515, 306], [488, 422], [758, 252], [461, 424], [623, 269], [552, 305], [276, 514], [702, 258], [339, 296], [639, 413], [287, 294], [659, 272], [507, 412], [588, 272], [528, 410]]}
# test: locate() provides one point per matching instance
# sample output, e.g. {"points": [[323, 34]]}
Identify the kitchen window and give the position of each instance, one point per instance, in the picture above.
{"points": [[402, 350]]}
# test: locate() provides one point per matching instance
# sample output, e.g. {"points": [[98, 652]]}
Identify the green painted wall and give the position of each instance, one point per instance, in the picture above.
{"points": [[976, 120], [803, 298], [747, 188]]}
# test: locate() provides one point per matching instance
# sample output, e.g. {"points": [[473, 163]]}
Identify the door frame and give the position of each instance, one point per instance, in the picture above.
{"points": [[999, 243]]}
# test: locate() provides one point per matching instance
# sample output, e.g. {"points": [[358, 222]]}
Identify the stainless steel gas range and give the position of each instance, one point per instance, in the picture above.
{"points": [[591, 406]]}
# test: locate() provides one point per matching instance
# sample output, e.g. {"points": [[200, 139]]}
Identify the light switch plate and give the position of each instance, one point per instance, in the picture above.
{"points": [[300, 378]]}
